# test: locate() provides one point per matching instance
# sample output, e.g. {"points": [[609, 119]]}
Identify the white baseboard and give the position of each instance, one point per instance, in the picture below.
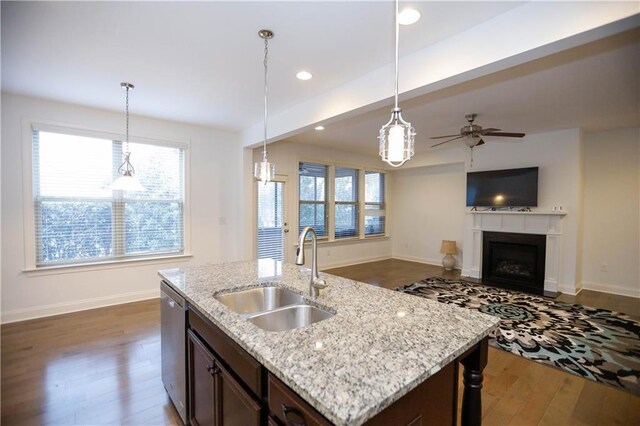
{"points": [[75, 306], [612, 289], [358, 261], [424, 260], [572, 291]]}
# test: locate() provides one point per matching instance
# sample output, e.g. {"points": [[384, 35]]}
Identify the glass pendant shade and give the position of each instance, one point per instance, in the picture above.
{"points": [[471, 140], [397, 139], [264, 171], [126, 183]]}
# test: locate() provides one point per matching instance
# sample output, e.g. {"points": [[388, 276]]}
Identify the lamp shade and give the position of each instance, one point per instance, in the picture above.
{"points": [[448, 247]]}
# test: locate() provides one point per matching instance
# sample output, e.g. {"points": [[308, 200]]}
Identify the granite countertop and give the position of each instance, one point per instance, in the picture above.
{"points": [[380, 345]]}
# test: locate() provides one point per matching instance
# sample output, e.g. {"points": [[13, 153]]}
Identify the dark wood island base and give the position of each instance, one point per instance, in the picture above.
{"points": [[227, 386]]}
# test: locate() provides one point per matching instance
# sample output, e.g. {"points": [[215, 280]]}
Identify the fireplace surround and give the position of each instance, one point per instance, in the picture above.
{"points": [[544, 223]]}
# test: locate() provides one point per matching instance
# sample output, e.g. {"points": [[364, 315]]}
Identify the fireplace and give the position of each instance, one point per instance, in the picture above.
{"points": [[514, 261]]}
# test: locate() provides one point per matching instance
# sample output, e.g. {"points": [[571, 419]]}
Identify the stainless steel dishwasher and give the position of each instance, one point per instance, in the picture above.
{"points": [[172, 343]]}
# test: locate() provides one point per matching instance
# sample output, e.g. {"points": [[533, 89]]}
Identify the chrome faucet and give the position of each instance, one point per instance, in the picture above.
{"points": [[316, 283]]}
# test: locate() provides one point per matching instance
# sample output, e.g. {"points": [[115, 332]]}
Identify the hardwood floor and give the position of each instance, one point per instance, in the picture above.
{"points": [[103, 367], [93, 367], [518, 391]]}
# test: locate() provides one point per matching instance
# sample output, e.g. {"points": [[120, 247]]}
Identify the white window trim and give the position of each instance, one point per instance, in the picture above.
{"points": [[30, 125], [330, 211]]}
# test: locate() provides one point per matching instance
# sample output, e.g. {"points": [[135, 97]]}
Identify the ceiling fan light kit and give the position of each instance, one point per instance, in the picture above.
{"points": [[397, 137], [472, 133]]}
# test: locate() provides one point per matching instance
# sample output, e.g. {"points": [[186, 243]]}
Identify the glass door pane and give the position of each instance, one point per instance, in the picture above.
{"points": [[271, 225]]}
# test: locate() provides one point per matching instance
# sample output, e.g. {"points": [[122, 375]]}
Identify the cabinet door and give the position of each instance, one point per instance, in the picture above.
{"points": [[235, 406], [202, 383]]}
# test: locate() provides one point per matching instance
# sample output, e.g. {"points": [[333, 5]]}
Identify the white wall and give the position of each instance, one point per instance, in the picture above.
{"points": [[611, 212], [428, 207], [216, 203], [286, 157]]}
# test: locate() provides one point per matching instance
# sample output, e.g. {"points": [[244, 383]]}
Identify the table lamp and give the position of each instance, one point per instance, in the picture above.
{"points": [[448, 248]]}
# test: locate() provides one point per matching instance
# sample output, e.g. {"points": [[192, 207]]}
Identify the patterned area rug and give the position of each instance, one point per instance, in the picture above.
{"points": [[593, 343]]}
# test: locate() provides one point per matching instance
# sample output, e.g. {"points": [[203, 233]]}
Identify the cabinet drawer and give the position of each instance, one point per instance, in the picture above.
{"points": [[291, 410], [239, 361]]}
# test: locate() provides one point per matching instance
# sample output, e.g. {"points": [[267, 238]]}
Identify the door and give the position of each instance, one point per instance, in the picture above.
{"points": [[234, 405], [271, 223], [201, 383]]}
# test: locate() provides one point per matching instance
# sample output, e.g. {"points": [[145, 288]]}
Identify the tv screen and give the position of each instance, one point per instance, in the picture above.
{"points": [[503, 188]]}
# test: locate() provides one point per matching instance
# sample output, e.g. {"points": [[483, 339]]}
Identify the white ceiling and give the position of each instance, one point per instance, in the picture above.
{"points": [[201, 62], [593, 87]]}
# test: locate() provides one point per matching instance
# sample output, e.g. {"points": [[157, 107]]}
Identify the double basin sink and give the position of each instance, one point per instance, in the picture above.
{"points": [[273, 308]]}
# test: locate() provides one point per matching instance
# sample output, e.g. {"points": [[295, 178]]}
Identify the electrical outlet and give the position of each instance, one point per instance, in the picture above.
{"points": [[222, 220], [604, 267], [406, 245], [328, 253]]}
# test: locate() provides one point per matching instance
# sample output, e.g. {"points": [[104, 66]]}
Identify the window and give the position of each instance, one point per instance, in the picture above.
{"points": [[313, 197], [79, 219], [374, 203], [331, 200], [346, 202]]}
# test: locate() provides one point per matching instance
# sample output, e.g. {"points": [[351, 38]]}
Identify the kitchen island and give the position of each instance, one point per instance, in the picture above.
{"points": [[380, 351]]}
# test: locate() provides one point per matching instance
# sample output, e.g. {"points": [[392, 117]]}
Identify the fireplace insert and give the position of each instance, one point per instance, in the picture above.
{"points": [[514, 261]]}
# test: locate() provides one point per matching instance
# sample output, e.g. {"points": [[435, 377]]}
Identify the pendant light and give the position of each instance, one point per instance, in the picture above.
{"points": [[397, 136], [263, 170], [127, 180]]}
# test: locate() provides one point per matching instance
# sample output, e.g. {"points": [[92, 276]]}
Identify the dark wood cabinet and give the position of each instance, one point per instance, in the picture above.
{"points": [[289, 409], [235, 406], [202, 386], [216, 398]]}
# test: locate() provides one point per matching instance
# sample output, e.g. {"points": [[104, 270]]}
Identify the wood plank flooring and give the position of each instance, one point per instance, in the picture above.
{"points": [[518, 391], [103, 367], [93, 367]]}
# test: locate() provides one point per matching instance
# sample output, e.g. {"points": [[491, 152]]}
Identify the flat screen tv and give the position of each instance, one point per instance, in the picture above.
{"points": [[503, 188]]}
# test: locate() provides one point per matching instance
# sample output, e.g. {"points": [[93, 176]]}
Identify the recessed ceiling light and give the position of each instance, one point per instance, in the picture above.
{"points": [[319, 128], [408, 17], [304, 75]]}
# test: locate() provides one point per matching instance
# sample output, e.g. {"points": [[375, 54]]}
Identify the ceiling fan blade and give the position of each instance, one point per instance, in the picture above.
{"points": [[442, 143], [445, 136], [489, 130], [480, 143], [505, 134]]}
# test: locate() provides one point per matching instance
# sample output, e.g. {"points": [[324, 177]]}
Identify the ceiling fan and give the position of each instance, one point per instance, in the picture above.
{"points": [[472, 133]]}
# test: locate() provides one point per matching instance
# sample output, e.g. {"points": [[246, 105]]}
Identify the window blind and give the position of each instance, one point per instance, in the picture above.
{"points": [[374, 206], [312, 197], [346, 202], [79, 219]]}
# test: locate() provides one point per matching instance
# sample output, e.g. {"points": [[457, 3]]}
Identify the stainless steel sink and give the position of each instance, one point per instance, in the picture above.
{"points": [[260, 299], [290, 317]]}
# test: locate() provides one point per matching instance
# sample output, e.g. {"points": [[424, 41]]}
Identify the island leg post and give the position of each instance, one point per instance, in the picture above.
{"points": [[473, 364]]}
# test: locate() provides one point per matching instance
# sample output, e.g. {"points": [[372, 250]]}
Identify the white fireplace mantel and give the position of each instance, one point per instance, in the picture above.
{"points": [[536, 222]]}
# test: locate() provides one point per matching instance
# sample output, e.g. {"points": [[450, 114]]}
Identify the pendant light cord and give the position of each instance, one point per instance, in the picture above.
{"points": [[266, 53], [397, 44], [126, 149]]}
